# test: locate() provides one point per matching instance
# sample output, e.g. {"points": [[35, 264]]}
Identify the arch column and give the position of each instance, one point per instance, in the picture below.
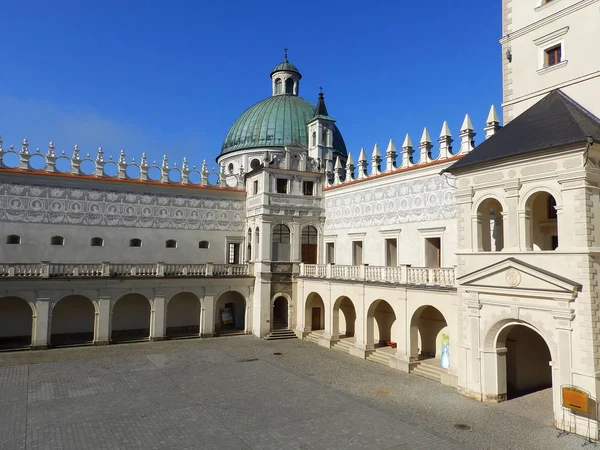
{"points": [[207, 316], [512, 236], [525, 237], [361, 346], [296, 243], [103, 322], [40, 333], [157, 318]]}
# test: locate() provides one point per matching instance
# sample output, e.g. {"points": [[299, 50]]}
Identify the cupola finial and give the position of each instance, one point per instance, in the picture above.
{"points": [[285, 50]]}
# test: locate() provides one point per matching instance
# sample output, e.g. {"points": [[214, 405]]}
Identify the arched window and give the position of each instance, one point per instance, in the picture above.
{"points": [[543, 222], [97, 242], [203, 244], [249, 245], [325, 137], [57, 240], [281, 243], [257, 235], [230, 167], [314, 138], [309, 245], [135, 243], [278, 86], [490, 229], [13, 239], [289, 86], [171, 243]]}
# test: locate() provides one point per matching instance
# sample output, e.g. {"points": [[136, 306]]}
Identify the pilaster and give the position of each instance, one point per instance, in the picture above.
{"points": [[41, 323], [103, 322], [157, 318]]}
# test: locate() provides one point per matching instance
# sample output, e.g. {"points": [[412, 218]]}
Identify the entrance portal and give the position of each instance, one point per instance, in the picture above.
{"points": [[428, 332], [15, 323], [230, 313], [280, 313], [314, 315]]}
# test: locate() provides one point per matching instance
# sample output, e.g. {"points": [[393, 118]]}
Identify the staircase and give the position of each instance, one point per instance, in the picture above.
{"points": [[430, 368], [313, 336], [379, 356], [343, 345], [282, 333]]}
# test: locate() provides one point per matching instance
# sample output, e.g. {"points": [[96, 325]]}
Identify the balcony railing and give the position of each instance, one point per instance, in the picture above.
{"points": [[107, 269], [397, 274]]}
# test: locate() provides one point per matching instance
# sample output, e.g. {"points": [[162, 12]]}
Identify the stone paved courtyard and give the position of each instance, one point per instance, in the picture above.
{"points": [[236, 393]]}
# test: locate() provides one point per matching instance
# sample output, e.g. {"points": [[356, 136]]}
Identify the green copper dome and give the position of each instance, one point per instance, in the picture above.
{"points": [[276, 121], [285, 65]]}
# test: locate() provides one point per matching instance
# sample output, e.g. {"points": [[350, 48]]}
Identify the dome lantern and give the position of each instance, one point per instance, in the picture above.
{"points": [[285, 78]]}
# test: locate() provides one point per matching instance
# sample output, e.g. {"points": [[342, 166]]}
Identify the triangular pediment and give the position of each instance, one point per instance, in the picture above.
{"points": [[513, 274]]}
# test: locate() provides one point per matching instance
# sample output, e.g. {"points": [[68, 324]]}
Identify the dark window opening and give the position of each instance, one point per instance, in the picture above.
{"points": [[13, 239], [135, 243], [203, 244], [307, 187], [553, 56], [57, 240], [97, 242], [171, 243], [282, 185]]}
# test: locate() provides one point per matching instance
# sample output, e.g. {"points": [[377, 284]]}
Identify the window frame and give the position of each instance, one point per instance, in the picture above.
{"points": [[312, 188], [135, 242], [171, 243], [11, 241], [54, 240], [97, 242], [279, 182], [203, 247]]}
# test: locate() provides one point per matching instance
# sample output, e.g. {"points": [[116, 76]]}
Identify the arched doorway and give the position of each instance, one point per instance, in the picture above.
{"points": [[543, 222], [16, 320], [344, 323], [131, 318], [230, 313], [280, 314], [310, 238], [527, 361], [314, 317], [490, 231], [183, 315], [73, 320], [380, 321], [428, 333]]}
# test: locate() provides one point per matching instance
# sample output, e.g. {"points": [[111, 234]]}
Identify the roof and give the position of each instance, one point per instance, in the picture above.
{"points": [[554, 121], [286, 65], [321, 109], [276, 121]]}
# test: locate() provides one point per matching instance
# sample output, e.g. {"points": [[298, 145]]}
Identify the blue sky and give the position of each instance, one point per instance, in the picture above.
{"points": [[171, 77]]}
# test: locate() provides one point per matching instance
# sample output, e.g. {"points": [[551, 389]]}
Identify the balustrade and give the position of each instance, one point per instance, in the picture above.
{"points": [[148, 270], [396, 274]]}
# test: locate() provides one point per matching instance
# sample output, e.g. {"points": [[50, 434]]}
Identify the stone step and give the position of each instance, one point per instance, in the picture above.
{"points": [[284, 333], [342, 346], [429, 371], [379, 357], [311, 337]]}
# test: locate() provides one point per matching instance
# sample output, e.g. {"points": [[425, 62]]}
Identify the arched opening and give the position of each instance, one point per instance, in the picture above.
{"points": [[171, 243], [230, 314], [278, 86], [289, 86], [429, 337], [527, 358], [343, 324], [280, 314], [13, 239], [325, 137], [249, 245], [309, 245], [97, 242], [57, 240], [135, 243], [183, 315], [203, 244], [16, 320], [73, 320], [543, 229], [380, 321], [281, 247], [131, 318], [490, 231], [314, 317]]}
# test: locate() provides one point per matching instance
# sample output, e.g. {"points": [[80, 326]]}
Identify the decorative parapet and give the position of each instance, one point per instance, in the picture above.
{"points": [[47, 269], [446, 153], [86, 166], [404, 274]]}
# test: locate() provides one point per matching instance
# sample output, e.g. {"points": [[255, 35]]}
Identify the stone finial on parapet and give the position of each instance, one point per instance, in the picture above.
{"points": [[492, 123], [407, 152], [467, 136], [390, 157], [25, 147], [376, 161], [1, 144], [425, 147], [337, 171], [76, 155], [100, 155], [362, 164], [445, 141], [51, 153], [349, 168], [204, 174]]}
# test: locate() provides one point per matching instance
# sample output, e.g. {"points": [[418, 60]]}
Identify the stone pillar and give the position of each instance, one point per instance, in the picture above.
{"points": [[157, 318], [361, 347], [525, 238], [103, 323], [207, 316], [265, 241], [513, 239], [41, 324], [296, 242]]}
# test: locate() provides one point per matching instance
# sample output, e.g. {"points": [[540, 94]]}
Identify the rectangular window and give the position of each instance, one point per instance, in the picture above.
{"points": [[330, 253], [433, 252], [255, 187], [357, 255], [391, 252], [234, 254], [282, 185], [307, 188], [553, 55]]}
